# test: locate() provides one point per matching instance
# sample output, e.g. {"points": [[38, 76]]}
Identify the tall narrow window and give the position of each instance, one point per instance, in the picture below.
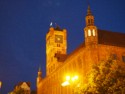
{"points": [[85, 34], [89, 21], [92, 22], [89, 32], [93, 31], [58, 45]]}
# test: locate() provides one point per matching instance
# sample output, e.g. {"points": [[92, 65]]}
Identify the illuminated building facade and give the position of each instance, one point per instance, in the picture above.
{"points": [[98, 45]]}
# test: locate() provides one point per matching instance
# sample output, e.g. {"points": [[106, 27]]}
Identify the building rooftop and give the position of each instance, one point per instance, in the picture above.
{"points": [[106, 38], [20, 83], [111, 38]]}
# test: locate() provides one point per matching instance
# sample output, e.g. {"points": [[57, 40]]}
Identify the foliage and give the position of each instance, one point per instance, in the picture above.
{"points": [[107, 77]]}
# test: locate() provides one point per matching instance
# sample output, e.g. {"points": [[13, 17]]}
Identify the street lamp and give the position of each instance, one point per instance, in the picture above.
{"points": [[66, 83], [74, 78], [70, 81]]}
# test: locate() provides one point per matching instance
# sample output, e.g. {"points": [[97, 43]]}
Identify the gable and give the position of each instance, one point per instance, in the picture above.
{"points": [[25, 86]]}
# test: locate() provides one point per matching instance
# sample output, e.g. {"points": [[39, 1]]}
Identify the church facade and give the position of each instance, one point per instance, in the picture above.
{"points": [[64, 72]]}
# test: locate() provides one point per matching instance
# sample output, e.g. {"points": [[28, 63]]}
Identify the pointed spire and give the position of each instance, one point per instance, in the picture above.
{"points": [[39, 72], [39, 69], [89, 10]]}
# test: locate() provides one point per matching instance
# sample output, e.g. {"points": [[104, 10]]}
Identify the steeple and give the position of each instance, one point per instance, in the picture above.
{"points": [[89, 17], [39, 72], [39, 77], [89, 11], [90, 31]]}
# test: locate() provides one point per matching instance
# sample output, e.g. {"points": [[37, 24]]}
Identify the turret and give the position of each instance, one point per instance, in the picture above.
{"points": [[90, 31], [39, 77]]}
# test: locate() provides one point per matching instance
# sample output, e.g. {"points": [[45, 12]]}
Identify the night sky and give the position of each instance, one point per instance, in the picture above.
{"points": [[24, 24]]}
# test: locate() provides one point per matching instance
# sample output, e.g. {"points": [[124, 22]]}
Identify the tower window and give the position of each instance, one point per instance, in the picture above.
{"points": [[89, 21], [89, 32], [93, 31], [123, 58], [58, 45], [92, 22], [85, 34]]}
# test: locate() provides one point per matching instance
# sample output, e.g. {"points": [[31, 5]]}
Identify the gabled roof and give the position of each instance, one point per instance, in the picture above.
{"points": [[107, 38], [20, 83], [111, 38]]}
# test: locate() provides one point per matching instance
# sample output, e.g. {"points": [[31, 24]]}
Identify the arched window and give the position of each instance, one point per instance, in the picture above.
{"points": [[85, 34], [89, 21], [93, 31], [58, 45], [89, 32]]}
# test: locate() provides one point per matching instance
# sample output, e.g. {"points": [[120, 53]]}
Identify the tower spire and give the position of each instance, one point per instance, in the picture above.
{"points": [[39, 76], [89, 11], [39, 69], [39, 72], [91, 37], [89, 17]]}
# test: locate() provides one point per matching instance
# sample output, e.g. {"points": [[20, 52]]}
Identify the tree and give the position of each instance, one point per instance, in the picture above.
{"points": [[107, 77]]}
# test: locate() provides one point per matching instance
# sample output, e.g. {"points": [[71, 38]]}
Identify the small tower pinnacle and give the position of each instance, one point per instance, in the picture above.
{"points": [[91, 35], [89, 17], [39, 77], [39, 72], [39, 69], [89, 11]]}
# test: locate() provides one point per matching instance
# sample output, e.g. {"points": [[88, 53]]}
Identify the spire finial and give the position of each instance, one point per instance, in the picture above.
{"points": [[39, 69], [89, 10]]}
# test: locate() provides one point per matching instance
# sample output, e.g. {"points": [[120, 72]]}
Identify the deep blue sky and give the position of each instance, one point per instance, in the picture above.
{"points": [[24, 24]]}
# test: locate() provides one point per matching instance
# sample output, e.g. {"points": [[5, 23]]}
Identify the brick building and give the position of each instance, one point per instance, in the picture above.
{"points": [[97, 45]]}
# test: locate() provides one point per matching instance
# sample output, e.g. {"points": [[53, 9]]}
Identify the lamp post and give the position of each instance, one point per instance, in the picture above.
{"points": [[70, 81]]}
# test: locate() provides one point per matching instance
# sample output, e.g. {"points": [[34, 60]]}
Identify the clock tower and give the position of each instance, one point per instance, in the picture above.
{"points": [[90, 31], [56, 48]]}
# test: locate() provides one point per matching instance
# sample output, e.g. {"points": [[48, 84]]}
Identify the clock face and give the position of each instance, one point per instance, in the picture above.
{"points": [[58, 38]]}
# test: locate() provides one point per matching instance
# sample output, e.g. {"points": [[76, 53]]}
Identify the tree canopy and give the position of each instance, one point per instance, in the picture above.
{"points": [[106, 77]]}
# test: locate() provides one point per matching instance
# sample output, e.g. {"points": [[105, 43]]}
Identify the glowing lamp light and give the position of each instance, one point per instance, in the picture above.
{"points": [[70, 80], [67, 78], [74, 78], [65, 83]]}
